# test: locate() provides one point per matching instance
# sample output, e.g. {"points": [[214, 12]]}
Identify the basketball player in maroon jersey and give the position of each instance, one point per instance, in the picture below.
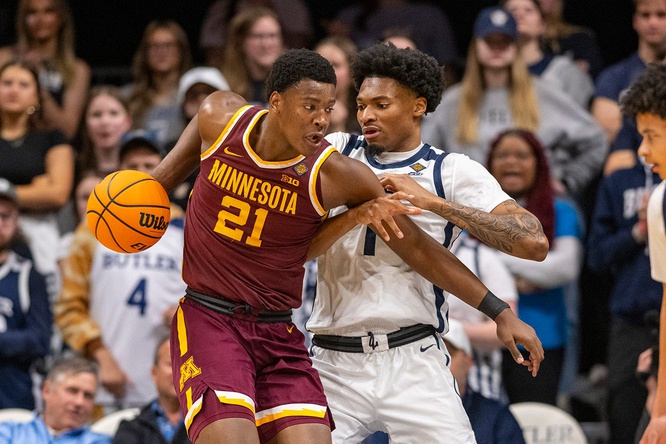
{"points": [[266, 182]]}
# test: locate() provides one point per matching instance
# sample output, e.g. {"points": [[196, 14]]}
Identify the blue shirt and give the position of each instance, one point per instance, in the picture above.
{"points": [[545, 310], [618, 77], [36, 432]]}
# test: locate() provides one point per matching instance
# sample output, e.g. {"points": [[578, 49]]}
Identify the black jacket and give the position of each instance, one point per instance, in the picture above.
{"points": [[144, 430]]}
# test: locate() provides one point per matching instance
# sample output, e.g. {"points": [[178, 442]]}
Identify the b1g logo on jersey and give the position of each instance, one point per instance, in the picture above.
{"points": [[151, 221], [290, 180], [417, 167]]}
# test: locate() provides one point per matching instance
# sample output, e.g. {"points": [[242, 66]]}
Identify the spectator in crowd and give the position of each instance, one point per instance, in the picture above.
{"points": [[115, 307], [160, 421], [574, 41], [339, 51], [649, 22], [25, 311], [518, 162], [193, 87], [366, 22], [293, 15], [68, 393], [39, 163], [617, 242], [497, 92], [159, 62], [557, 70], [254, 43], [45, 38], [106, 119], [486, 263], [491, 420]]}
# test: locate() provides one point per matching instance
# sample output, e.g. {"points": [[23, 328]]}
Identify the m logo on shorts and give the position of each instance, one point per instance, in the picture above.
{"points": [[187, 371]]}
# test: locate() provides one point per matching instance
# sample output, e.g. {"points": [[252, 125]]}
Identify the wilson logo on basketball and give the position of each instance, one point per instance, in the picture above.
{"points": [[151, 221]]}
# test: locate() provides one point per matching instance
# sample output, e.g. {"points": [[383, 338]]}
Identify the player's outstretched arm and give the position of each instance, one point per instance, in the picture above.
{"points": [[349, 182], [509, 227], [437, 264], [202, 131]]}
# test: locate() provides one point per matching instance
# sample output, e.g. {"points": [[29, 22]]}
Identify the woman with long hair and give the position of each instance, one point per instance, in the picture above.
{"points": [[39, 163], [497, 92], [161, 58], [519, 163], [254, 43], [45, 38], [105, 121]]}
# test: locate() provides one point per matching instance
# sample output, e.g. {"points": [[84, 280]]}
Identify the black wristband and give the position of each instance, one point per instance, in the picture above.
{"points": [[492, 306]]}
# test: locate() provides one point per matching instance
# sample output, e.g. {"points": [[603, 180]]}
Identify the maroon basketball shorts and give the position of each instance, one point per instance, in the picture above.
{"points": [[228, 367]]}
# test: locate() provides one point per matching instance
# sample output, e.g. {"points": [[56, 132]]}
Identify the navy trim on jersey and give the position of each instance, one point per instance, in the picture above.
{"points": [[355, 142], [423, 153], [439, 301], [437, 175], [370, 242]]}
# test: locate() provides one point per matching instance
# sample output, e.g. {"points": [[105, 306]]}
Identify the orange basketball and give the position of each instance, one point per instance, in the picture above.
{"points": [[128, 211]]}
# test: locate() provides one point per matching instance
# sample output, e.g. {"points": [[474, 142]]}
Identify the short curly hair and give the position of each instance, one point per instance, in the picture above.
{"points": [[295, 65], [411, 68], [647, 94]]}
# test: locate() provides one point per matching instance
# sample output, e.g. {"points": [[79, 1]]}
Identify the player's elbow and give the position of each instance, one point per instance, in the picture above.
{"points": [[539, 249]]}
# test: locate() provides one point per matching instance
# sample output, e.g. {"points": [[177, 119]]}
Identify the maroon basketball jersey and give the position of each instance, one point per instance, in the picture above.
{"points": [[250, 222]]}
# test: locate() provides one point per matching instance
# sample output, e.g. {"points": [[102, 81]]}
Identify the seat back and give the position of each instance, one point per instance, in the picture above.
{"points": [[546, 423], [108, 424]]}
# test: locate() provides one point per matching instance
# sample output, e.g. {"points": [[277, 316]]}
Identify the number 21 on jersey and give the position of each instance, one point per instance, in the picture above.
{"points": [[238, 212]]}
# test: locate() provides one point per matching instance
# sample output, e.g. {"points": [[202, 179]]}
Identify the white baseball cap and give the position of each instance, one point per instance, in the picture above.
{"points": [[202, 74], [457, 337], [8, 191]]}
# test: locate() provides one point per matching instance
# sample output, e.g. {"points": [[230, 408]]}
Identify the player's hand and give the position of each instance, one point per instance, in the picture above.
{"points": [[655, 433], [381, 210], [512, 331], [111, 376], [404, 183]]}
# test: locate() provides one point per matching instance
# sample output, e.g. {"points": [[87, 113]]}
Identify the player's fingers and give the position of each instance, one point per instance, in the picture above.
{"points": [[381, 230], [394, 227], [517, 356]]}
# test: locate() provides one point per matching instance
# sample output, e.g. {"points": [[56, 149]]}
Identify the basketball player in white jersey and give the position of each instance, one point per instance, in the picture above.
{"points": [[376, 322]]}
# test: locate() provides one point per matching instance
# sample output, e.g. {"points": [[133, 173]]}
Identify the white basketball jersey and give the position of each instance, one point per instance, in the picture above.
{"points": [[362, 284], [129, 294], [657, 230]]}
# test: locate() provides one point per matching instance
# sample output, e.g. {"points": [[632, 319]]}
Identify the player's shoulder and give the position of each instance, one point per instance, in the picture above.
{"points": [[218, 109]]}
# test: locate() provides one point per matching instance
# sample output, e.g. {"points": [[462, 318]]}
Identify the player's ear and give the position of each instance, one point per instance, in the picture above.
{"points": [[420, 106], [274, 101]]}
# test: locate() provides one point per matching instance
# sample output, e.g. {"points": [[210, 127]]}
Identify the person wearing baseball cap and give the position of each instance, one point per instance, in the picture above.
{"points": [[495, 20], [491, 420], [8, 192]]}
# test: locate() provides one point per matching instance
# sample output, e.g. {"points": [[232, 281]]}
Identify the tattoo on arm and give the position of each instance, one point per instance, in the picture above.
{"points": [[500, 231]]}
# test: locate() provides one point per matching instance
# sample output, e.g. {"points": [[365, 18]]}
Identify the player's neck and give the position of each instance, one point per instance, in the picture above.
{"points": [[269, 142]]}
